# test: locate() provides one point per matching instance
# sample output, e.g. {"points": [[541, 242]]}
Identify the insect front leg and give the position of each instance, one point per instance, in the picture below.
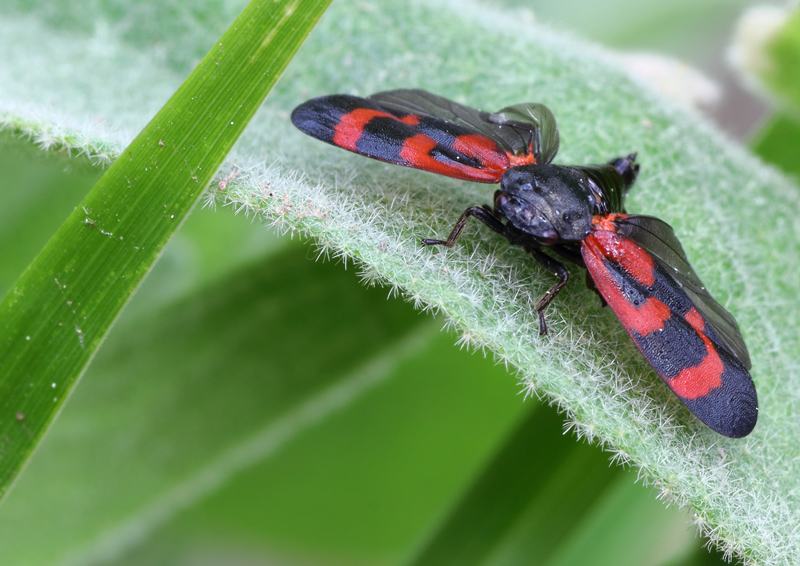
{"points": [[559, 270], [482, 213]]}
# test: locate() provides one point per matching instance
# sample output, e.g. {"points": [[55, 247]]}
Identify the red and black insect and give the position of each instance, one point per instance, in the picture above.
{"points": [[634, 262]]}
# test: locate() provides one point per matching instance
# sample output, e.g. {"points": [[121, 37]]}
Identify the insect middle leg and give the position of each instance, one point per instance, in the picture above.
{"points": [[559, 270], [482, 213], [592, 287]]}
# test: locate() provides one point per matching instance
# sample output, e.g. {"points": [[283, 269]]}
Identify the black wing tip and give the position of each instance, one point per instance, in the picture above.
{"points": [[302, 115], [314, 108], [741, 432], [319, 116], [740, 426], [741, 417], [308, 120], [730, 411]]}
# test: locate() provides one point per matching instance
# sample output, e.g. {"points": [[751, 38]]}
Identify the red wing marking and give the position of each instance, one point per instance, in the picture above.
{"points": [[700, 380], [633, 258], [351, 125], [455, 148], [484, 150], [418, 151], [644, 318], [695, 320]]}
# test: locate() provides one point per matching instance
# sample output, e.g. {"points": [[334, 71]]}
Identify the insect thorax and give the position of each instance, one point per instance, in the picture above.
{"points": [[552, 203]]}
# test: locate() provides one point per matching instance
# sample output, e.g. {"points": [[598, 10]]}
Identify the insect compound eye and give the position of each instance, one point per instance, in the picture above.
{"points": [[526, 187], [568, 217]]}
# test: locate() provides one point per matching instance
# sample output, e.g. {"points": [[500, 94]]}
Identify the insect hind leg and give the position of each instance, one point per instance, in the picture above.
{"points": [[483, 213]]}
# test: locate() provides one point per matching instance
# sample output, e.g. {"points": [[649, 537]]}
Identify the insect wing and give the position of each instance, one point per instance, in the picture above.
{"points": [[526, 132], [530, 125], [640, 269], [658, 238], [395, 135]]}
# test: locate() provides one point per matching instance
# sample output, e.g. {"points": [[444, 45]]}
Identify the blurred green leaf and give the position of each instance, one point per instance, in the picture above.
{"points": [[31, 209], [578, 510], [778, 142], [783, 51], [765, 49], [691, 31]]}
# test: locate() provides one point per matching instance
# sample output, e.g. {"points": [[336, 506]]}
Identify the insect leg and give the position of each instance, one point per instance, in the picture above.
{"points": [[592, 287], [559, 270], [482, 213]]}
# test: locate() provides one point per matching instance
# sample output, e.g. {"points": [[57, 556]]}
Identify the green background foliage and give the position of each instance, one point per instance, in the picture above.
{"points": [[253, 405]]}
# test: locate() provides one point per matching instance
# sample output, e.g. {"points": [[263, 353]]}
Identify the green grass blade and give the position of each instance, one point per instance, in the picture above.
{"points": [[777, 71], [59, 311]]}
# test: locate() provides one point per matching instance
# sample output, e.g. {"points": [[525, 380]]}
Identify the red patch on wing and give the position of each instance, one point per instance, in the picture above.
{"points": [[484, 150], [351, 125], [417, 153], [644, 318], [698, 381], [695, 320], [622, 251]]}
